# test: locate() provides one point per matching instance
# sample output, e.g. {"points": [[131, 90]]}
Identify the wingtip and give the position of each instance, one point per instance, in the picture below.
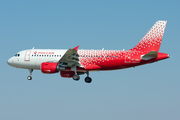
{"points": [[76, 48]]}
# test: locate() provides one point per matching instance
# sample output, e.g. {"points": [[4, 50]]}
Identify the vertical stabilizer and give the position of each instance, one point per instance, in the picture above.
{"points": [[152, 40]]}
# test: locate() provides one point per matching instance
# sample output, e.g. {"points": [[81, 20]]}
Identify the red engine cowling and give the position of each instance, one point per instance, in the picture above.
{"points": [[49, 67], [67, 74]]}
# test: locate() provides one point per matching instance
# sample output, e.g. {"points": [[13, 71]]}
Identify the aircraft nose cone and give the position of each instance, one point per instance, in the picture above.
{"points": [[9, 62]]}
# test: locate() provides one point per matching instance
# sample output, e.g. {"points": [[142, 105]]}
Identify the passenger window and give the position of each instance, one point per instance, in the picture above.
{"points": [[39, 55], [35, 55], [44, 55], [57, 55], [32, 55], [49, 55], [54, 55]]}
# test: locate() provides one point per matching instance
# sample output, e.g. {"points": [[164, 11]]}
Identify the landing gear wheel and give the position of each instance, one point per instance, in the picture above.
{"points": [[88, 80], [76, 77], [30, 71], [29, 78]]}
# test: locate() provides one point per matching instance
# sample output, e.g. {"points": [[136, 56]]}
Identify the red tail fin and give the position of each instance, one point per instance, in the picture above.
{"points": [[152, 40]]}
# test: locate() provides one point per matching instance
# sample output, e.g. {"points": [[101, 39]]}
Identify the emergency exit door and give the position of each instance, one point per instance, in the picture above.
{"points": [[27, 55]]}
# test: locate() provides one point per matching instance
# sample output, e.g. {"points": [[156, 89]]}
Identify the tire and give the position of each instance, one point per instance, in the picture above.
{"points": [[29, 78], [88, 80], [76, 77]]}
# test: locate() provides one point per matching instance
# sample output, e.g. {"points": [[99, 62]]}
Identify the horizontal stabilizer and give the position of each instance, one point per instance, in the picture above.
{"points": [[149, 55]]}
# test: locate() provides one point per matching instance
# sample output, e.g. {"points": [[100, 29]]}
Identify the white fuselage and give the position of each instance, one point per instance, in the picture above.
{"points": [[32, 58]]}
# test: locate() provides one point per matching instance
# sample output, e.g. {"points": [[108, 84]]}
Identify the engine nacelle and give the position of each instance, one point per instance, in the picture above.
{"points": [[50, 67]]}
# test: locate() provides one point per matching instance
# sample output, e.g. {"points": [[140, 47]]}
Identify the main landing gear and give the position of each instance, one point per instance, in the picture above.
{"points": [[88, 79], [29, 77], [76, 77]]}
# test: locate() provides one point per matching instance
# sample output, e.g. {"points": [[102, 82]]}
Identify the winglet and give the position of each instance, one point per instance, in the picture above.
{"points": [[76, 48]]}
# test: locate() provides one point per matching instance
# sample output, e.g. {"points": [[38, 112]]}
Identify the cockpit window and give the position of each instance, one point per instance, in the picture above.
{"points": [[17, 55]]}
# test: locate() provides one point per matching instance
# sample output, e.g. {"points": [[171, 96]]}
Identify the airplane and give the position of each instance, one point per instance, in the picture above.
{"points": [[73, 62]]}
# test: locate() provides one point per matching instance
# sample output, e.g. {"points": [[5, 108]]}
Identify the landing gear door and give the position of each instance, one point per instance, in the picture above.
{"points": [[27, 55]]}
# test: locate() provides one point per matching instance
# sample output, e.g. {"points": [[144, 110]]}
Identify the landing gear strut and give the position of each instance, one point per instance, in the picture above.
{"points": [[88, 79], [29, 77], [75, 77]]}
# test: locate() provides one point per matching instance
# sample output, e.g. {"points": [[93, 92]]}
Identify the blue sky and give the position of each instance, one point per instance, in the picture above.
{"points": [[142, 93]]}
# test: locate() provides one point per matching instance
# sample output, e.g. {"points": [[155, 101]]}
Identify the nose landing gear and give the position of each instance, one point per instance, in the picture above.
{"points": [[29, 77]]}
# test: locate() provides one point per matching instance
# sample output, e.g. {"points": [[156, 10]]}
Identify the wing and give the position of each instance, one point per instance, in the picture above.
{"points": [[70, 58]]}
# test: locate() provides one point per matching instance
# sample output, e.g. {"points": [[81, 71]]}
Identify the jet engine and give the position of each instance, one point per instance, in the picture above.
{"points": [[50, 67]]}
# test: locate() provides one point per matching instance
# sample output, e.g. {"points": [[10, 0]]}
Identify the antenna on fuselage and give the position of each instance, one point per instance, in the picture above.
{"points": [[33, 48], [102, 48]]}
